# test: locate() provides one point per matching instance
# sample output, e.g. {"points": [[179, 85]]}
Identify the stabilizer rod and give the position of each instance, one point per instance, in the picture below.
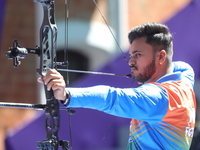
{"points": [[28, 106]]}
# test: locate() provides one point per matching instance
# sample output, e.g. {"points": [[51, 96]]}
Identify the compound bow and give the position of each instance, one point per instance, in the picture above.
{"points": [[47, 53]]}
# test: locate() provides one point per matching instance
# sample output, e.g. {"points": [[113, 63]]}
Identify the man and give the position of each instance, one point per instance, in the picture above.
{"points": [[162, 108]]}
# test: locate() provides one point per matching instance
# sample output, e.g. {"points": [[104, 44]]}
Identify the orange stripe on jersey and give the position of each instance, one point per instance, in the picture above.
{"points": [[182, 107]]}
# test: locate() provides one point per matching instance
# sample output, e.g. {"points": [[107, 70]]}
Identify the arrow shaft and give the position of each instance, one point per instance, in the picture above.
{"points": [[92, 72]]}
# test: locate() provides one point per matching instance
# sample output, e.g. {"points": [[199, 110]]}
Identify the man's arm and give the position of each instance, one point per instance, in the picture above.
{"points": [[147, 100]]}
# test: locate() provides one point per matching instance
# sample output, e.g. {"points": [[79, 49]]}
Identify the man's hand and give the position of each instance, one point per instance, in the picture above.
{"points": [[55, 81]]}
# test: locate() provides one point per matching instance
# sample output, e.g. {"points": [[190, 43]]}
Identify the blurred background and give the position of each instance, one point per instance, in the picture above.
{"points": [[90, 46]]}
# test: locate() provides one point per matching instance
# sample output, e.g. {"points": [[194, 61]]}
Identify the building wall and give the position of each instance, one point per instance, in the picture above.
{"points": [[17, 85]]}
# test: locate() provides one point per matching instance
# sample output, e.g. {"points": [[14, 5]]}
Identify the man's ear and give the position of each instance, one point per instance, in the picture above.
{"points": [[162, 55]]}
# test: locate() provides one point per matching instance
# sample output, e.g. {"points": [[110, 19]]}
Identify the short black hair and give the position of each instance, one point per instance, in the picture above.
{"points": [[158, 36]]}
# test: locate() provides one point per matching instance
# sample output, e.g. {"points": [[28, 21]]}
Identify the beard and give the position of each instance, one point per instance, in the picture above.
{"points": [[147, 74]]}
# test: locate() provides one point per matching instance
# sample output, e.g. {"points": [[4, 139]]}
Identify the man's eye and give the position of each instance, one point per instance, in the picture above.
{"points": [[137, 54]]}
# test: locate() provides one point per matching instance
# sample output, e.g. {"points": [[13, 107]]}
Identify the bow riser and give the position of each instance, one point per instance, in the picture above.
{"points": [[48, 37]]}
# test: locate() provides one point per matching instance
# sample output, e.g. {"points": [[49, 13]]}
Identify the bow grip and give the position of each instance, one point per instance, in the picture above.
{"points": [[49, 94]]}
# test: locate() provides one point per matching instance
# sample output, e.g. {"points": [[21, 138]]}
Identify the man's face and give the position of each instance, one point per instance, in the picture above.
{"points": [[142, 60]]}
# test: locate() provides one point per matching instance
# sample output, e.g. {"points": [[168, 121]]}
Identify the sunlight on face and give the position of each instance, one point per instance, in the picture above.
{"points": [[142, 60]]}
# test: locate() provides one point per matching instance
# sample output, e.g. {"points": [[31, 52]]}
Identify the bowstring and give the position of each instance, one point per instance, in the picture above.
{"points": [[109, 28], [125, 58], [106, 133], [66, 62]]}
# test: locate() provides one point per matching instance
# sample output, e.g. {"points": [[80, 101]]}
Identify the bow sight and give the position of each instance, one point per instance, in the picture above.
{"points": [[17, 52]]}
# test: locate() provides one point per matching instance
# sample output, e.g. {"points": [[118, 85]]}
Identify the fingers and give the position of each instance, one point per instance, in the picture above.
{"points": [[55, 81], [40, 80], [55, 84], [59, 90], [52, 75], [52, 79]]}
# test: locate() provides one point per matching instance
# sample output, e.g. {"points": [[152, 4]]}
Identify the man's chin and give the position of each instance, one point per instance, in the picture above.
{"points": [[138, 81]]}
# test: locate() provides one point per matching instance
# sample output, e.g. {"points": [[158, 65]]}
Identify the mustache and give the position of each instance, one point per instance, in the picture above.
{"points": [[133, 67]]}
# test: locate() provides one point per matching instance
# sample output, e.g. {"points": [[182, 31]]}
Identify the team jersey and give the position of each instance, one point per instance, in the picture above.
{"points": [[162, 113]]}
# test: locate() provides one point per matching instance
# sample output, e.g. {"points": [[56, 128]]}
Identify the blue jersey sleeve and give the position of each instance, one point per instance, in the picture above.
{"points": [[185, 69], [144, 102]]}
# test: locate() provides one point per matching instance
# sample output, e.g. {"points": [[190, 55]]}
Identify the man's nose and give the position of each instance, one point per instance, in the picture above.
{"points": [[131, 61]]}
